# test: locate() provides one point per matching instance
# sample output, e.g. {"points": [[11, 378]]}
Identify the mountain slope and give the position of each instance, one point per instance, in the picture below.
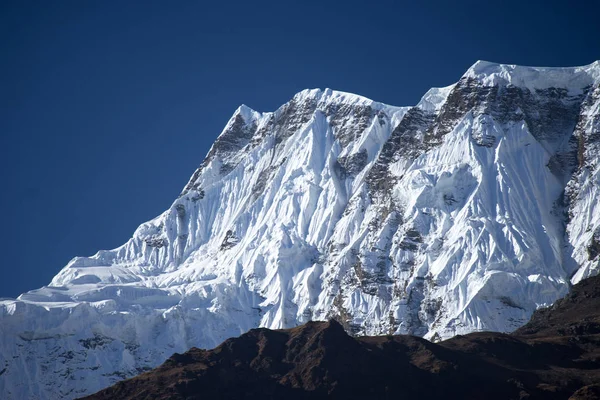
{"points": [[463, 213], [555, 356]]}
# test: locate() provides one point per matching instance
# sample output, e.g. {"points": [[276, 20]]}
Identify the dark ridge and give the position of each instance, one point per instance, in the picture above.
{"points": [[555, 356]]}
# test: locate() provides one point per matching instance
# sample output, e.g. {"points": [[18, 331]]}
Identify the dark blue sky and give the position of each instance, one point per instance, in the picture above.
{"points": [[107, 107]]}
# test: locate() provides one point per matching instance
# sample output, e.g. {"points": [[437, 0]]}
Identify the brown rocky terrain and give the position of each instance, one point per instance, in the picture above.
{"points": [[555, 356]]}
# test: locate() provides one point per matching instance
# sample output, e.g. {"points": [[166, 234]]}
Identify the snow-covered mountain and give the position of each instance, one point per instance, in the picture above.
{"points": [[465, 212]]}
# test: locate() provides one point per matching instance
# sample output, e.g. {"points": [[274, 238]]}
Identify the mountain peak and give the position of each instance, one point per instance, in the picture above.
{"points": [[330, 96], [246, 113], [465, 213], [434, 98], [571, 78]]}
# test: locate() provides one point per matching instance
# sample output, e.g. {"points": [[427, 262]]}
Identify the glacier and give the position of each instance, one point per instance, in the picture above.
{"points": [[464, 213]]}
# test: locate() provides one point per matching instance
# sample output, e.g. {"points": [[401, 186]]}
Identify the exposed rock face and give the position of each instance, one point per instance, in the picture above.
{"points": [[555, 356], [464, 213]]}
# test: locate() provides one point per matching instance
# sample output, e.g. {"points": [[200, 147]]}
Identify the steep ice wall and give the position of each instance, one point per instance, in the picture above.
{"points": [[583, 191], [463, 213]]}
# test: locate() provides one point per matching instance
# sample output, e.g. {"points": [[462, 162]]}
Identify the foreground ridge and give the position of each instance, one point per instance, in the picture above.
{"points": [[555, 356], [464, 213]]}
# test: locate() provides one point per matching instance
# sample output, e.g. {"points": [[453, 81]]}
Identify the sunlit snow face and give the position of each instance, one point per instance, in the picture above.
{"points": [[434, 220]]}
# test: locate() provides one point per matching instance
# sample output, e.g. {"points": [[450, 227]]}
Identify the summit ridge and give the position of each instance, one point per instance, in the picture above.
{"points": [[464, 213]]}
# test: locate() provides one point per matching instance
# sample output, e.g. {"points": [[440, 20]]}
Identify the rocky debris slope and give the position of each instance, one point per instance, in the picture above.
{"points": [[464, 213]]}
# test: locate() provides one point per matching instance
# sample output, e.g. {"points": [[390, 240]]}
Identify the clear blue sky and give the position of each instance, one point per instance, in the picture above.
{"points": [[107, 107]]}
